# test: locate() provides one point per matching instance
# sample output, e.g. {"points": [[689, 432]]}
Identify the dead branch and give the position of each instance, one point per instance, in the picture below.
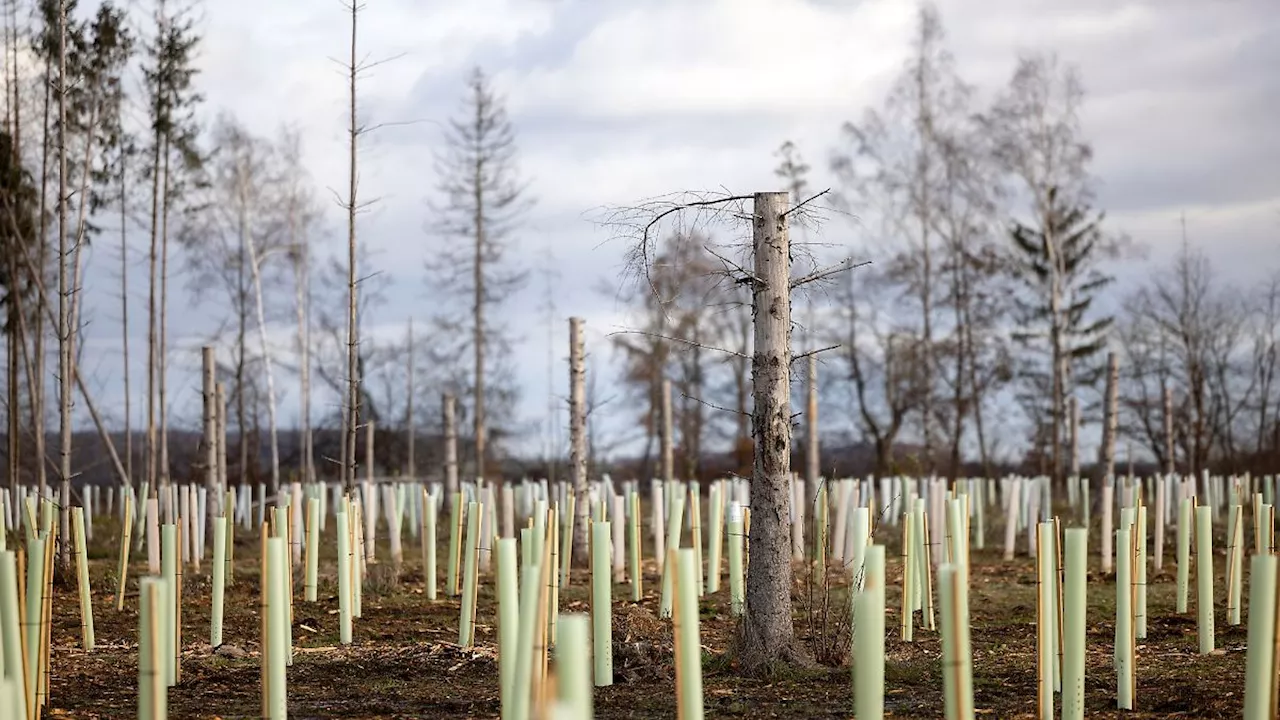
{"points": [[815, 352], [660, 336], [815, 276], [712, 405], [808, 200]]}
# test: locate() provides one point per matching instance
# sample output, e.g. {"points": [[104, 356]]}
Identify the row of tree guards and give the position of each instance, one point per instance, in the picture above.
{"points": [[530, 526]]}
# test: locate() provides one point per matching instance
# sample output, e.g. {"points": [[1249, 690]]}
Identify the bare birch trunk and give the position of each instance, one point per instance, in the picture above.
{"points": [[767, 635], [1109, 420], [124, 325], [220, 434], [353, 380], [152, 261], [38, 274], [247, 238], [1073, 432], [812, 468], [450, 446], [668, 453], [65, 336], [578, 438], [411, 469], [162, 355], [302, 299], [209, 426]]}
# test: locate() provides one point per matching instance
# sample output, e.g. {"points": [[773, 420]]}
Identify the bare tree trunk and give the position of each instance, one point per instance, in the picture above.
{"points": [[1073, 413], [578, 438], [152, 259], [1168, 432], [410, 426], [256, 270], [124, 322], [1109, 420], [767, 635], [353, 379], [209, 426], [478, 221], [241, 352], [65, 336], [665, 433], [811, 467], [450, 446], [220, 436], [16, 338], [38, 274], [162, 354], [302, 299], [478, 337]]}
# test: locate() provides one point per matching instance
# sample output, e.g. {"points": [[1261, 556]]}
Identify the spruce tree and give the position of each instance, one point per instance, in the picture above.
{"points": [[1060, 259]]}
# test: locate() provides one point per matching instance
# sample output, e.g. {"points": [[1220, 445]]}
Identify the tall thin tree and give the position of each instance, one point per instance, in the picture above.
{"points": [[482, 199]]}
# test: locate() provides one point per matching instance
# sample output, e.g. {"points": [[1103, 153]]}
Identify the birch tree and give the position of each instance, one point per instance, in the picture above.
{"points": [[227, 249], [301, 215], [1058, 247], [481, 200], [893, 168]]}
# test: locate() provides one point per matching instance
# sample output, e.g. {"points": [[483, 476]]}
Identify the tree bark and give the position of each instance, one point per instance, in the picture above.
{"points": [[1109, 421], [450, 446], [812, 468], [411, 470], [665, 435], [124, 320], [1073, 431], [302, 300], [767, 636], [256, 270], [210, 426], [578, 438], [1168, 432], [65, 335], [352, 409]]}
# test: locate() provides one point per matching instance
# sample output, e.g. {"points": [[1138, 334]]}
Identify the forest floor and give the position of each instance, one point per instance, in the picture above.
{"points": [[405, 663]]}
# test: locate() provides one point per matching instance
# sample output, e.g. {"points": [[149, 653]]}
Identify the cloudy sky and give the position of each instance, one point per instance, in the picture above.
{"points": [[617, 101]]}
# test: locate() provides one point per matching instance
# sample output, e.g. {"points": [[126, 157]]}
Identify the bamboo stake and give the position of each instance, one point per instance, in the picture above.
{"points": [[122, 567]]}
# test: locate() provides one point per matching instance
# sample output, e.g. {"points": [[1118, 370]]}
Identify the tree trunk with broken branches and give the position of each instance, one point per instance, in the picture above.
{"points": [[767, 635]]}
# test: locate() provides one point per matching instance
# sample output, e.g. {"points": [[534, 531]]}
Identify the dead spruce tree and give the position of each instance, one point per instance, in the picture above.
{"points": [[481, 201], [766, 636]]}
